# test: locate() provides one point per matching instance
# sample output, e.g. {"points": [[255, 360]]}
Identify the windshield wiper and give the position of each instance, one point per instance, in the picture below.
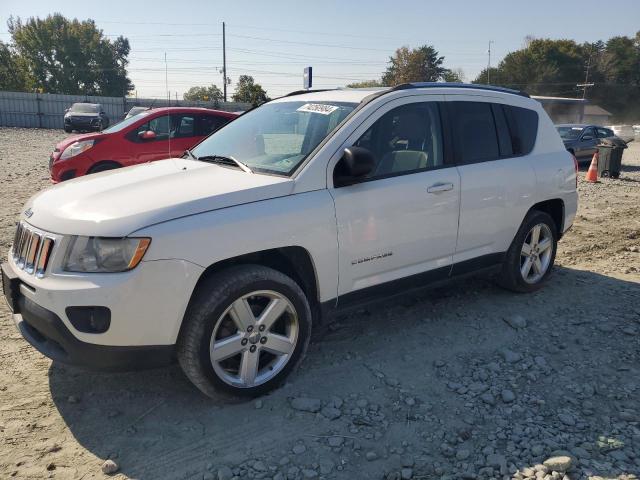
{"points": [[222, 160]]}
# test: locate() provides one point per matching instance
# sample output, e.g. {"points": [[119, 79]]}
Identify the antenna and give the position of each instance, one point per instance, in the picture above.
{"points": [[166, 85]]}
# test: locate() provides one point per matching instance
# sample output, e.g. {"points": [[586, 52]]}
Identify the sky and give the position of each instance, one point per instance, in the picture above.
{"points": [[344, 41]]}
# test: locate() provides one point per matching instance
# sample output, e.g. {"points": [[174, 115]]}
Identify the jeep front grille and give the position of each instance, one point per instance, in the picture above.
{"points": [[31, 250]]}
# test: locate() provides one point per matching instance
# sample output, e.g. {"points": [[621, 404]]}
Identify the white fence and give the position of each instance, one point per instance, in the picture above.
{"points": [[43, 110]]}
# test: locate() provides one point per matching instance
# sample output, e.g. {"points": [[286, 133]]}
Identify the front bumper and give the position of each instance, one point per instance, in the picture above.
{"points": [[147, 306]]}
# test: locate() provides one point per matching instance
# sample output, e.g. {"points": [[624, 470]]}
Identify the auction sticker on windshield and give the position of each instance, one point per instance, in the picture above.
{"points": [[318, 108]]}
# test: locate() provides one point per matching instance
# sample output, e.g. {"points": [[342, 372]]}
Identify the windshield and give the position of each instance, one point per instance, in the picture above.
{"points": [[116, 127], [84, 108], [276, 137], [569, 133]]}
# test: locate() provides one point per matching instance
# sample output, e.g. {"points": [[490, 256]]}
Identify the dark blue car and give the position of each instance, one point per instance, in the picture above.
{"points": [[582, 140]]}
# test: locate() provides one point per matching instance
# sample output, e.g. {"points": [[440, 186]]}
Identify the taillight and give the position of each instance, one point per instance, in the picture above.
{"points": [[575, 164]]}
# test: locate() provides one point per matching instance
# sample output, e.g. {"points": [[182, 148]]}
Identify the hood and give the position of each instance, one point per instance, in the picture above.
{"points": [[60, 146], [117, 202]]}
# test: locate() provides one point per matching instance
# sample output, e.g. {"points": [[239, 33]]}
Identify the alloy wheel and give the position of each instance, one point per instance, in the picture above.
{"points": [[254, 338], [536, 252]]}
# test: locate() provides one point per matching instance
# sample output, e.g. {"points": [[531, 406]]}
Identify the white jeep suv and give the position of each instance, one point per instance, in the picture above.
{"points": [[311, 203]]}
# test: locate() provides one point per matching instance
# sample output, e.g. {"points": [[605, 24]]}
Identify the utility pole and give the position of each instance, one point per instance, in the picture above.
{"points": [[586, 83], [224, 62], [489, 63], [166, 78]]}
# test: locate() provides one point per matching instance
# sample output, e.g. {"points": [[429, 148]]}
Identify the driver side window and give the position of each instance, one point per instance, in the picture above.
{"points": [[158, 125], [589, 132], [405, 140]]}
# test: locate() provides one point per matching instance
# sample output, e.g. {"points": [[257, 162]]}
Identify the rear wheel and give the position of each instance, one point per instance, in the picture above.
{"points": [[531, 255], [246, 329]]}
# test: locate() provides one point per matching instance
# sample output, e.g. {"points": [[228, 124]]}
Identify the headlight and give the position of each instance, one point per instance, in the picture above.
{"points": [[99, 254], [76, 148]]}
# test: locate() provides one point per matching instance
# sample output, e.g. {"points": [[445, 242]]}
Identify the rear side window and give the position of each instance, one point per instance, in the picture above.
{"points": [[523, 125], [474, 132], [210, 123]]}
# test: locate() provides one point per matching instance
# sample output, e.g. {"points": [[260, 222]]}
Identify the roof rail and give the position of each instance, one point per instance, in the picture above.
{"points": [[300, 92], [406, 86]]}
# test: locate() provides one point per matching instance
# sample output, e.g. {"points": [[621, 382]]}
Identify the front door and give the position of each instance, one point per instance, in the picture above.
{"points": [[587, 145], [402, 219], [173, 135]]}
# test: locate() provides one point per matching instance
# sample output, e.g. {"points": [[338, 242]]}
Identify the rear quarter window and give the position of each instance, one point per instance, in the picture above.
{"points": [[523, 125]]}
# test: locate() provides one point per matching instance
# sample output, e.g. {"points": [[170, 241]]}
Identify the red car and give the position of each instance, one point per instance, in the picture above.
{"points": [[151, 135]]}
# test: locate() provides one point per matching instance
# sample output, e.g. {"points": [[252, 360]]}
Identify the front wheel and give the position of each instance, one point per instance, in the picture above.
{"points": [[246, 329], [530, 257]]}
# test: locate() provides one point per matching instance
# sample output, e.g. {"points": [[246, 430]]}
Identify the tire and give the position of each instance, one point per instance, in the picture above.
{"points": [[211, 320], [103, 167], [68, 129], [512, 276]]}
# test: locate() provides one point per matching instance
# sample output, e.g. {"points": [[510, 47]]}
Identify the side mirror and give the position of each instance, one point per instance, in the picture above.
{"points": [[147, 135], [587, 137], [356, 162]]}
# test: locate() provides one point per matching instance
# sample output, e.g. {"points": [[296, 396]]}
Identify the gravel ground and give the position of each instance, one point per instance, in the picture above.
{"points": [[463, 381]]}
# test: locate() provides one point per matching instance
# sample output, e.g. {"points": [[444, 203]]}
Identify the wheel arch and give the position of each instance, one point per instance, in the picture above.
{"points": [[294, 261], [555, 209], [102, 163]]}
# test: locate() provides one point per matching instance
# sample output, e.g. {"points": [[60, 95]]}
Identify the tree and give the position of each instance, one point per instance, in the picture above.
{"points": [[248, 91], [366, 84], [12, 72], [71, 56], [454, 76], [205, 94], [422, 64]]}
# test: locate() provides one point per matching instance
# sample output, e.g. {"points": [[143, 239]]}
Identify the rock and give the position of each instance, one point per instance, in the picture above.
{"points": [[331, 413], [517, 322], [284, 461], [627, 416], [326, 466], [511, 356], [308, 473], [371, 455], [406, 473], [537, 450], [109, 467], [496, 460], [225, 473], [335, 441], [558, 464], [258, 404], [567, 419], [299, 449], [463, 454], [439, 364], [306, 404], [507, 396], [73, 399], [488, 398], [259, 466]]}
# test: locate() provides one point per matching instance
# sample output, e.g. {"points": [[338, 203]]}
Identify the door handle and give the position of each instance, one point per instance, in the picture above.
{"points": [[440, 187]]}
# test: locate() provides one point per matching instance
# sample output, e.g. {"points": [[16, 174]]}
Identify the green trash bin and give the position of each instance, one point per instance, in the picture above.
{"points": [[610, 157]]}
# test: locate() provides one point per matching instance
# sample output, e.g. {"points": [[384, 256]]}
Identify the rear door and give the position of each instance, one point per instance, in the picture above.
{"points": [[497, 181]]}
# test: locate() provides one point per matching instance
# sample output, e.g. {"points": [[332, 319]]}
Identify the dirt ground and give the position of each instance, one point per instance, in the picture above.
{"points": [[463, 381]]}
